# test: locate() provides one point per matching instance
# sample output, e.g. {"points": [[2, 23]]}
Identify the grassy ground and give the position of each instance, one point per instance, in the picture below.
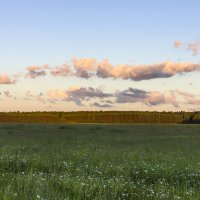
{"points": [[58, 162]]}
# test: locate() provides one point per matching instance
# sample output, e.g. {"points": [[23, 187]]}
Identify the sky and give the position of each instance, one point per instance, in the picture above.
{"points": [[99, 55]]}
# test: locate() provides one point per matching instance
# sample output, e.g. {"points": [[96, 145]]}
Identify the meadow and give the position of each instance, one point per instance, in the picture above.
{"points": [[99, 161]]}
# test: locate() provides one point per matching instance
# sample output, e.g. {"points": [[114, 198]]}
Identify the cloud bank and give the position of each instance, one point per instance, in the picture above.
{"points": [[89, 67], [77, 95], [145, 72], [130, 95], [96, 97]]}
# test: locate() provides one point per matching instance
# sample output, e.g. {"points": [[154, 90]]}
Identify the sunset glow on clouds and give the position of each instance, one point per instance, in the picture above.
{"points": [[89, 67], [35, 71], [97, 98], [104, 61], [86, 68]]}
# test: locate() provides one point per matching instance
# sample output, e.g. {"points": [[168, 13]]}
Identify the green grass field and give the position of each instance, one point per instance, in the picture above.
{"points": [[57, 162]]}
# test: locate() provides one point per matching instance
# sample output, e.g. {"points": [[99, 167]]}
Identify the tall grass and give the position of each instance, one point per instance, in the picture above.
{"points": [[99, 162]]}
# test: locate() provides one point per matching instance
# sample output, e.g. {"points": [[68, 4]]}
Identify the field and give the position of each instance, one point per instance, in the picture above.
{"points": [[57, 162]]}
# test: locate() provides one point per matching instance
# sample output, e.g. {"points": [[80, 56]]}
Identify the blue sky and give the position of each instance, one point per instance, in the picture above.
{"points": [[124, 32]]}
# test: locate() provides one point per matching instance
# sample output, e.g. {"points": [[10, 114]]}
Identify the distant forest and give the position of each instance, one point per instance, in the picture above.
{"points": [[102, 117]]}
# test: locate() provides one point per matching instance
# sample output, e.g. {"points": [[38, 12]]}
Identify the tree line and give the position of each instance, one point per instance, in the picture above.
{"points": [[101, 117]]}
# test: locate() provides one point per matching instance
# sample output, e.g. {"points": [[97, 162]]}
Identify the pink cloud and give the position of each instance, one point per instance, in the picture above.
{"points": [[154, 98], [194, 47], [84, 66], [36, 71], [62, 70], [5, 79], [77, 94], [177, 44], [89, 67], [145, 72]]}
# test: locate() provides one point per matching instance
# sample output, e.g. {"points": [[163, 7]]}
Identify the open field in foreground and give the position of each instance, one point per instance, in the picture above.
{"points": [[58, 162]]}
